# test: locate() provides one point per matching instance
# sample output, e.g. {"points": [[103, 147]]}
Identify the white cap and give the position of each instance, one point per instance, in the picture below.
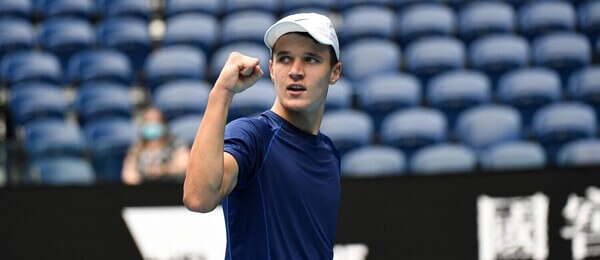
{"points": [[317, 25]]}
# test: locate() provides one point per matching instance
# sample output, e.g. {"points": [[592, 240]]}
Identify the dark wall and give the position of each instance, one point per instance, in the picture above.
{"points": [[407, 217]]}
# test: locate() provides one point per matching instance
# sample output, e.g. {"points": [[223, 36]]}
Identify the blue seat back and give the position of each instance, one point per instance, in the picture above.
{"points": [[196, 29], [246, 26], [347, 129], [61, 171], [16, 35], [483, 126], [371, 161], [253, 100], [455, 91], [513, 155], [367, 21], [528, 90], [128, 35], [477, 19], [30, 66], [34, 101], [100, 65], [584, 152], [367, 57], [100, 100], [422, 20], [414, 128], [443, 159], [174, 63], [385, 93], [182, 97]]}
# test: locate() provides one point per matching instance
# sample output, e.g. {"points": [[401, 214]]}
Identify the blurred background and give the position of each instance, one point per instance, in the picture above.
{"points": [[433, 93]]}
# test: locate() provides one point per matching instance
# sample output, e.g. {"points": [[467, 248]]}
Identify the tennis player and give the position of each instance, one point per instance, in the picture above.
{"points": [[276, 176]]}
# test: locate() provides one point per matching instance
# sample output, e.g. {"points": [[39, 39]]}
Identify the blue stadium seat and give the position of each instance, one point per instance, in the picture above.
{"points": [[564, 52], [100, 65], [253, 100], [371, 161], [246, 26], [537, 18], [30, 66], [176, 7], [582, 152], [61, 171], [433, 55], [455, 91], [185, 127], [560, 123], [16, 35], [347, 129], [290, 5], [426, 19], [99, 100], [584, 85], [528, 90], [110, 139], [221, 55], [181, 97], [368, 57], [345, 4], [513, 156], [124, 8], [339, 96], [477, 19], [196, 29], [22, 9], [486, 125], [270, 6], [34, 101], [173, 63], [367, 21], [53, 138], [443, 159], [385, 93], [81, 9], [414, 128], [66, 36], [497, 54], [128, 35], [589, 19]]}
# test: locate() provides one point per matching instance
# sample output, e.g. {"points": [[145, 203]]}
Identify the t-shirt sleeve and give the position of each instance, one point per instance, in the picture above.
{"points": [[243, 141]]}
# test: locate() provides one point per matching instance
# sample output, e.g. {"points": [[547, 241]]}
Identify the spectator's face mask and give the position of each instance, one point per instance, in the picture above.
{"points": [[153, 131]]}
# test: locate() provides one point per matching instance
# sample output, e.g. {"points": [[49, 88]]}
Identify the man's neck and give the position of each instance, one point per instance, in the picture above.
{"points": [[307, 121]]}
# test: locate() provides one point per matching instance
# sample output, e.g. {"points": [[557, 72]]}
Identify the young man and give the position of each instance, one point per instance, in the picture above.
{"points": [[276, 176]]}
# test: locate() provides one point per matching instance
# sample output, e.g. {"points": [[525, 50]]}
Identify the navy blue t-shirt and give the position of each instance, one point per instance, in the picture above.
{"points": [[285, 204]]}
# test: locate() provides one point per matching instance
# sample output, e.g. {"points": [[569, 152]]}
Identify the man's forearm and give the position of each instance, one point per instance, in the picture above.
{"points": [[204, 177]]}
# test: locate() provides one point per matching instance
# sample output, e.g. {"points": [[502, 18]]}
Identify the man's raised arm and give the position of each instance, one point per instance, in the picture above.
{"points": [[211, 173]]}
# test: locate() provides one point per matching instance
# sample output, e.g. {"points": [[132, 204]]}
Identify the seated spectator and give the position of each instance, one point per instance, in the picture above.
{"points": [[157, 156]]}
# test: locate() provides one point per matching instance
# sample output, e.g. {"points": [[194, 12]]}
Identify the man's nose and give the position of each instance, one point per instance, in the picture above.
{"points": [[297, 71]]}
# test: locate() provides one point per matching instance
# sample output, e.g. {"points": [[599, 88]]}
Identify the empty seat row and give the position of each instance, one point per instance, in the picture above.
{"points": [[474, 20], [447, 158], [83, 9], [478, 128]]}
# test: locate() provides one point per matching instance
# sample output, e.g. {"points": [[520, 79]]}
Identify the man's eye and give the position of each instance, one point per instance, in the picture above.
{"points": [[284, 59], [311, 60]]}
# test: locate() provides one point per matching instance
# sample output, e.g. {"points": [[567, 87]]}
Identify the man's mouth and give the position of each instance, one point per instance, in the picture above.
{"points": [[296, 88]]}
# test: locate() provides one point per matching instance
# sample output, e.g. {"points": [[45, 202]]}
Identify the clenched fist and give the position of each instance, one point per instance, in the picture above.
{"points": [[239, 73]]}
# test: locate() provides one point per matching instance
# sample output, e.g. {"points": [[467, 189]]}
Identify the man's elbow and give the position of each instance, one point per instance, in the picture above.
{"points": [[197, 204]]}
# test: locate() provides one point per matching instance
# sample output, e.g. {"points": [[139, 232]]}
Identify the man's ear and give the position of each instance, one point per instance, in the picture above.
{"points": [[336, 72]]}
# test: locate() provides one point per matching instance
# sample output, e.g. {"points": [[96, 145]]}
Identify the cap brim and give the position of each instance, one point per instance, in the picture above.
{"points": [[280, 29]]}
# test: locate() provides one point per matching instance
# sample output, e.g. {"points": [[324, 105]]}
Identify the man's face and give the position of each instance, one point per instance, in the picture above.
{"points": [[301, 71]]}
